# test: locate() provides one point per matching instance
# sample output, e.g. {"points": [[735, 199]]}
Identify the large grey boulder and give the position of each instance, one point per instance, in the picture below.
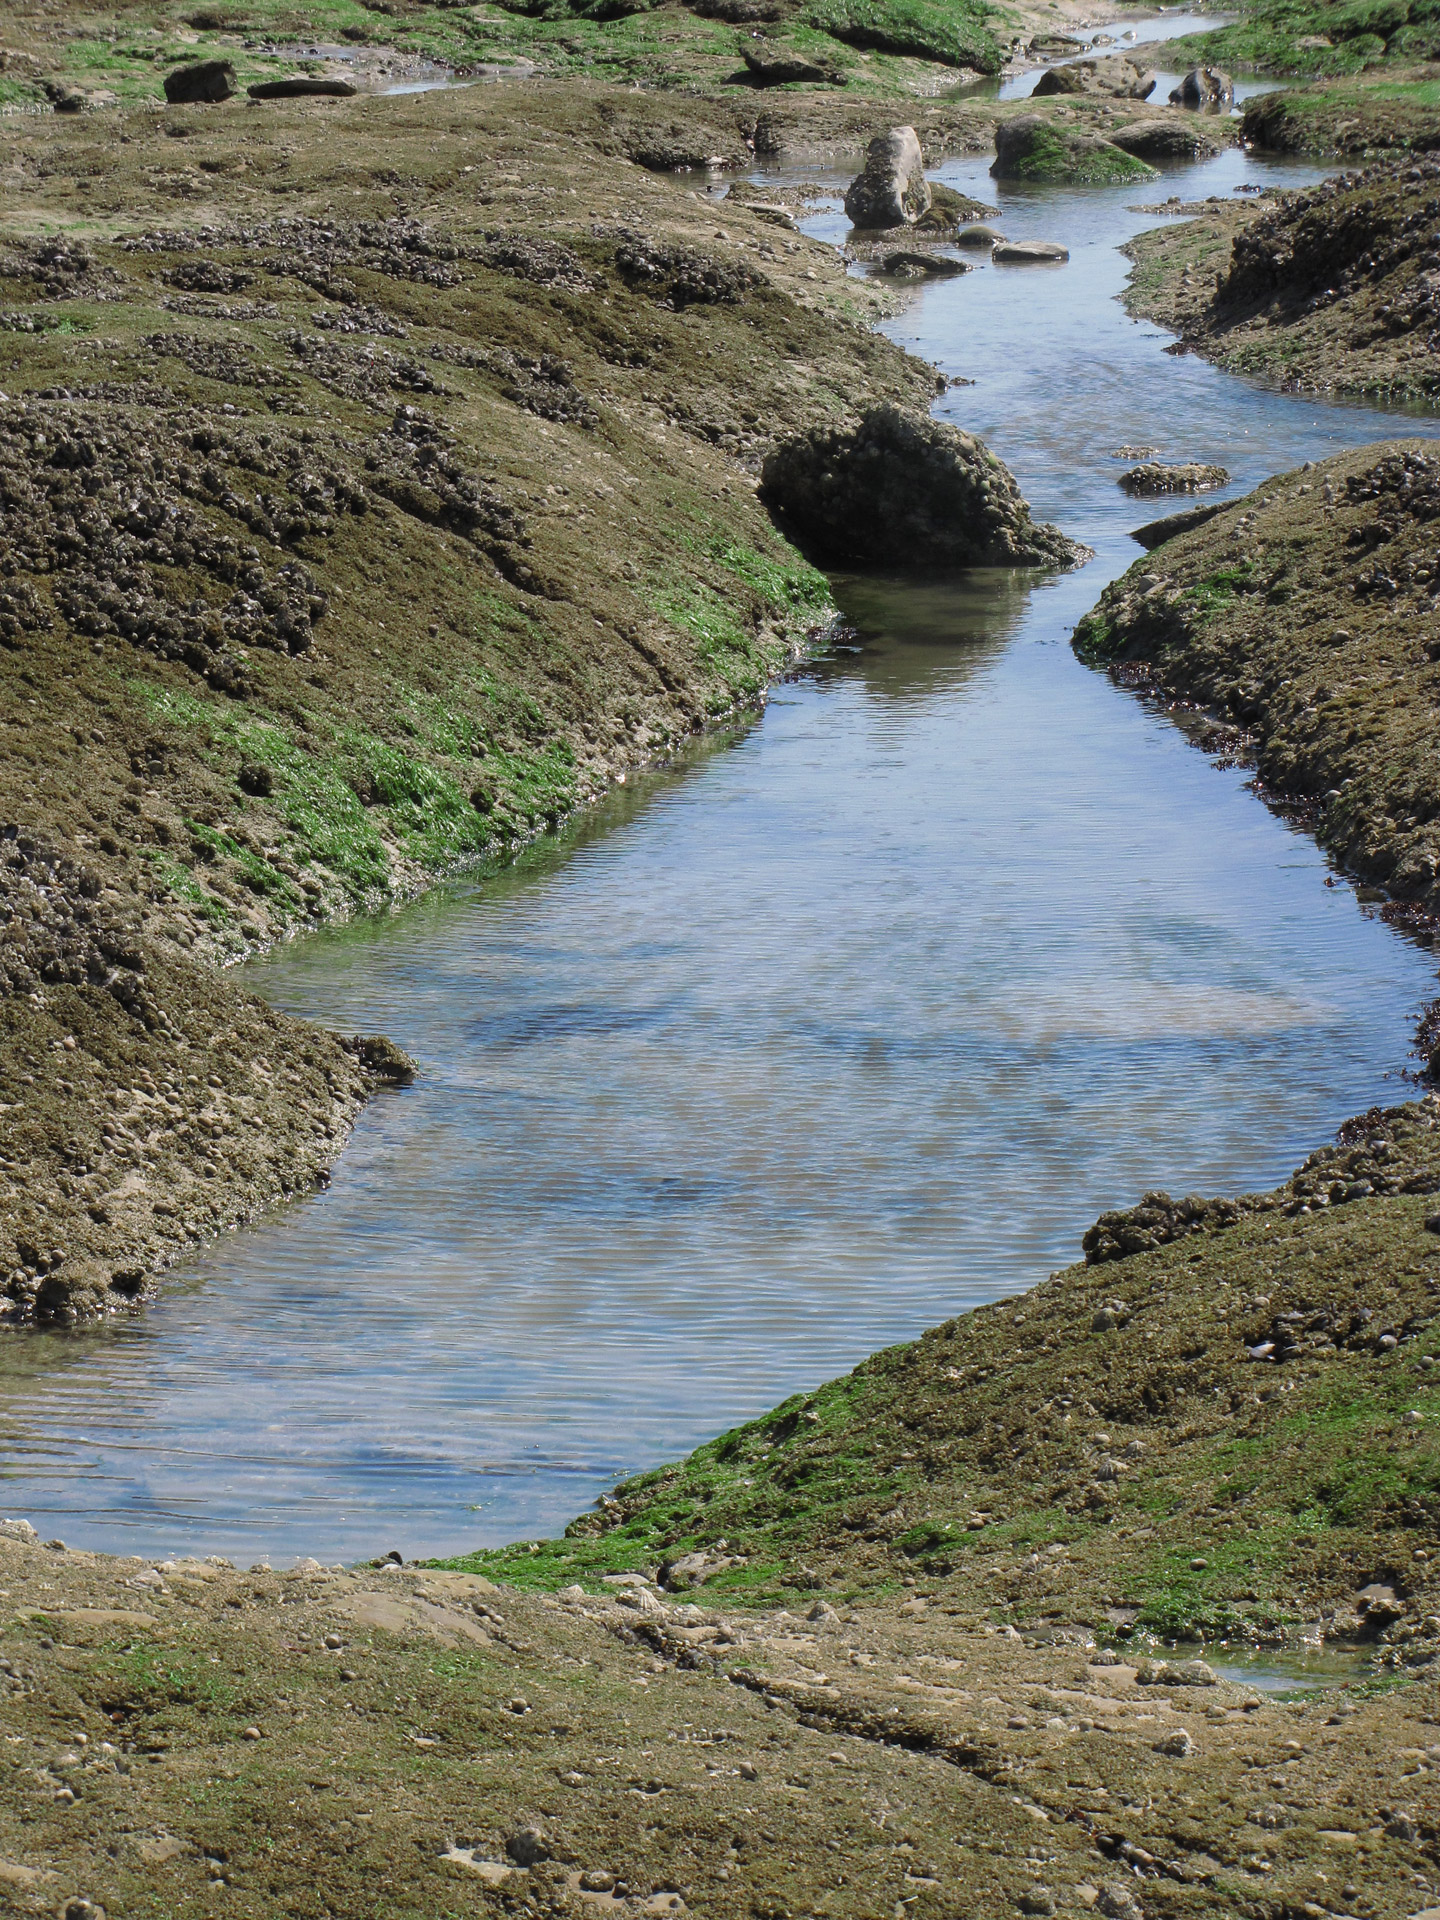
{"points": [[892, 191], [1117, 76], [202, 80], [902, 490], [1206, 88]]}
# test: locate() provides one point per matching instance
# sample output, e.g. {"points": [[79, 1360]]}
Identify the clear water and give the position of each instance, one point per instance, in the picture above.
{"points": [[853, 1020], [1269, 1672]]}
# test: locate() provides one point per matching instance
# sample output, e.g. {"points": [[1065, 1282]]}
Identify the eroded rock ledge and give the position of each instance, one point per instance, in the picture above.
{"points": [[900, 490]]}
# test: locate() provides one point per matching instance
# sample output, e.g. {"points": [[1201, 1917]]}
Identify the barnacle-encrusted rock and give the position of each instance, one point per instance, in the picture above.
{"points": [[902, 490]]}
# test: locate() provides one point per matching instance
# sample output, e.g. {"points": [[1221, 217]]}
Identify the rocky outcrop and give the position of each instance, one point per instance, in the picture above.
{"points": [[1117, 77], [1305, 619], [773, 64], [1204, 88], [892, 190], [1035, 149], [200, 81], [901, 490], [1335, 288]]}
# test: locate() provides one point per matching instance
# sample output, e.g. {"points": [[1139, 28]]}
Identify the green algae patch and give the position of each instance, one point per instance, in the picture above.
{"points": [[952, 36], [1372, 114], [1034, 150]]}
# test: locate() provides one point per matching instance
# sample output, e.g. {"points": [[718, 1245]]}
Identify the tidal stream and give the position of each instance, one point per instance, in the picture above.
{"points": [[852, 1020]]}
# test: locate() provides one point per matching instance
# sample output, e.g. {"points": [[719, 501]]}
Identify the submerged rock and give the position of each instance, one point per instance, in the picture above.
{"points": [[1018, 252], [202, 80], [1191, 476], [978, 237], [892, 191], [903, 490], [1206, 88], [1032, 148]]}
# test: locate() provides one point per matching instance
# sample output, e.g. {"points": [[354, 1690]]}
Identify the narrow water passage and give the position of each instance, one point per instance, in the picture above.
{"points": [[851, 1022]]}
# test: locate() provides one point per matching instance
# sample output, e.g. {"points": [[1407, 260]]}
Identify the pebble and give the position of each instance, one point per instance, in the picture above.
{"points": [[748, 1770], [251, 1733], [1178, 1745], [527, 1846]]}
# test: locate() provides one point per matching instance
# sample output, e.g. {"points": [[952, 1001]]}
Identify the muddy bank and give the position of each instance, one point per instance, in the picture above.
{"points": [[978, 1585], [1303, 619], [1329, 290]]}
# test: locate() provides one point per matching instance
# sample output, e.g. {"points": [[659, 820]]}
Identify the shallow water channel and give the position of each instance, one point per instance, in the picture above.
{"points": [[856, 1018]]}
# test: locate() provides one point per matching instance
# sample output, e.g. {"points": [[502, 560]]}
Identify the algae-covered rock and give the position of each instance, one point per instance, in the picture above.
{"points": [[1031, 148], [892, 190], [902, 490], [950, 210], [1303, 618], [774, 64]]}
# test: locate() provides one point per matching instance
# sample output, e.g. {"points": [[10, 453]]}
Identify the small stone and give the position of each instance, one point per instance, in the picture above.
{"points": [[1104, 1657], [1117, 1902], [748, 1770], [333, 1642], [1037, 1900], [597, 1881], [348, 1673], [1177, 1745], [1400, 1826], [572, 1596], [1199, 1563], [527, 1846], [81, 1909], [1432, 1225], [251, 1733]]}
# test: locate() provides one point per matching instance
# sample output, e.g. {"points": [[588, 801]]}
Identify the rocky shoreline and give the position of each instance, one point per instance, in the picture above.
{"points": [[383, 481], [1301, 623]]}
